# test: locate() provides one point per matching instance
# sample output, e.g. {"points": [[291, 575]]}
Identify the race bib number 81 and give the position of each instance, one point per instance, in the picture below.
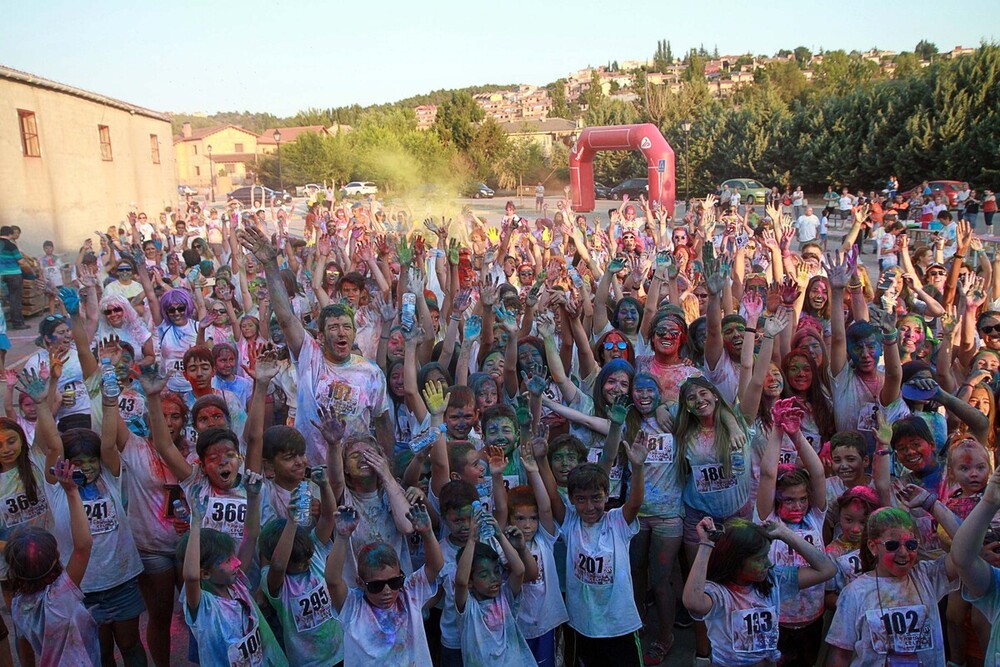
{"points": [[661, 448]]}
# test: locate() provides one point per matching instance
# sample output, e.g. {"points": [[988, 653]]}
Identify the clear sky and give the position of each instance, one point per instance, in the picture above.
{"points": [[282, 56]]}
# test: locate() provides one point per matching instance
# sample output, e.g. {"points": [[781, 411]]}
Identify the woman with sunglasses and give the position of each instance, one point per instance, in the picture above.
{"points": [[669, 334], [117, 317], [125, 283]]}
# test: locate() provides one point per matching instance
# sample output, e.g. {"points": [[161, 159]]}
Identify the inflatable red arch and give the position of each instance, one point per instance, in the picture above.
{"points": [[646, 138]]}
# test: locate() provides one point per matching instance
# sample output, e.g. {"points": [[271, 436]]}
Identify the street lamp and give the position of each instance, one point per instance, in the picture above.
{"points": [[281, 180], [686, 126], [211, 172]]}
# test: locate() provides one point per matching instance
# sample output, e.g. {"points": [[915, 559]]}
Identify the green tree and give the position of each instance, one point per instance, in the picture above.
{"points": [[802, 55], [745, 59], [907, 65], [558, 94], [785, 76], [662, 58], [695, 70], [456, 119], [594, 94], [669, 54], [925, 50]]}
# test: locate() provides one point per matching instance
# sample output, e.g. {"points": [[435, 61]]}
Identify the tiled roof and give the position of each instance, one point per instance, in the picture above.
{"points": [[288, 133], [203, 132]]}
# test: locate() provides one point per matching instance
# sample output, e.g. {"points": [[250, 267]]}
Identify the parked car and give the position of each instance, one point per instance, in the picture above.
{"points": [[186, 191], [601, 191], [751, 191], [478, 191], [308, 190], [949, 188], [633, 187], [358, 188], [249, 195]]}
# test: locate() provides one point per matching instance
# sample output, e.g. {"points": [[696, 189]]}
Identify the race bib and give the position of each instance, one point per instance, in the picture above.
{"points": [[614, 475], [101, 515], [339, 396], [132, 405], [661, 448], [813, 439], [868, 418], [788, 457], [850, 565], [785, 555], [17, 508], [176, 365], [247, 652], [595, 569], [312, 608], [900, 629], [754, 629], [226, 515], [712, 478], [510, 481]]}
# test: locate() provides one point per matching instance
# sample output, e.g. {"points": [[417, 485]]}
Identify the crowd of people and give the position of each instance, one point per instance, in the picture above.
{"points": [[509, 441]]}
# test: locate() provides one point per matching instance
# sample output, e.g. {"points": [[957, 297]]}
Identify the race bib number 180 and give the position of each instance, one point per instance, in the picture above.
{"points": [[712, 479]]}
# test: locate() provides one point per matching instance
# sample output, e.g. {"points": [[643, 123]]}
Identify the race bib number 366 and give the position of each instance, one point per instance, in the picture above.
{"points": [[754, 629], [712, 479], [226, 515], [17, 508]]}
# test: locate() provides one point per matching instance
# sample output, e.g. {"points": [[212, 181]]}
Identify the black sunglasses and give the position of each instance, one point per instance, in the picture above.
{"points": [[893, 545], [395, 583], [113, 309], [990, 328], [176, 310]]}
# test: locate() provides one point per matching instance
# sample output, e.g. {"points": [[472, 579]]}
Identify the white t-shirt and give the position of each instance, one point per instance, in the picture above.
{"points": [[950, 234], [599, 576], [808, 226], [221, 510], [855, 407], [354, 390], [17, 510], [542, 606], [800, 610], [725, 376], [907, 608], [490, 633], [113, 558], [375, 524], [734, 198], [743, 624], [846, 203], [313, 635], [388, 637], [148, 489], [71, 378], [59, 628], [174, 341]]}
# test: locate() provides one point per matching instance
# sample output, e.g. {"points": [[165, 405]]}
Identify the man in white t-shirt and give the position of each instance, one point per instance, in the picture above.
{"points": [[845, 204], [329, 375], [807, 226], [734, 199]]}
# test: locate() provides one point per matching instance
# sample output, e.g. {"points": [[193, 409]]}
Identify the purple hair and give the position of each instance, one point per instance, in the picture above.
{"points": [[177, 297]]}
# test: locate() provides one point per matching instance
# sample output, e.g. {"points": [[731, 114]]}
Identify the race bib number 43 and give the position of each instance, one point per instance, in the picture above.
{"points": [[900, 629], [754, 629], [712, 479]]}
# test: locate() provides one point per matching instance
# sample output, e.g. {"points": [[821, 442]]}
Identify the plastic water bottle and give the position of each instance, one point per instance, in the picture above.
{"points": [[486, 530], [408, 316], [575, 276], [109, 379], [303, 504], [181, 510], [423, 440]]}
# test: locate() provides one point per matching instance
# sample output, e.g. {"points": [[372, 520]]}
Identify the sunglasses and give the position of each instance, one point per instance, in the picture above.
{"points": [[124, 269], [893, 545], [621, 345], [990, 329], [113, 309], [936, 274], [218, 312], [375, 587], [667, 333], [177, 310]]}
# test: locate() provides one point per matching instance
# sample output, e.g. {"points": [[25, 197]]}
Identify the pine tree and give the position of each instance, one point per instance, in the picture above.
{"points": [[669, 54]]}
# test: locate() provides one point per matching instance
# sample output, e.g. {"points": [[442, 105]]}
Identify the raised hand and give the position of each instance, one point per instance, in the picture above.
{"points": [[497, 459], [528, 461], [462, 301], [386, 308], [346, 520], [330, 426], [777, 323], [473, 328], [753, 306], [454, 251], [515, 537], [619, 409], [151, 381], [419, 518], [253, 483], [522, 411], [378, 463], [507, 318], [616, 264], [884, 319], [540, 442], [638, 449], [488, 290], [534, 381], [32, 384], [790, 291], [404, 251], [435, 398], [545, 324], [840, 269], [258, 244], [911, 495], [883, 429]]}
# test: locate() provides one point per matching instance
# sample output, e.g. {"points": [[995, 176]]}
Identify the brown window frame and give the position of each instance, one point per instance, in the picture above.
{"points": [[154, 148], [104, 136], [239, 148], [30, 146]]}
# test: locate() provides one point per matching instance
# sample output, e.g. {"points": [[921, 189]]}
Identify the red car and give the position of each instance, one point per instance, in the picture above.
{"points": [[950, 189]]}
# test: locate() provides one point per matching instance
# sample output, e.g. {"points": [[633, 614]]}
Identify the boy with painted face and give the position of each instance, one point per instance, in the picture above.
{"points": [[199, 370], [382, 613], [849, 454], [855, 506], [860, 391]]}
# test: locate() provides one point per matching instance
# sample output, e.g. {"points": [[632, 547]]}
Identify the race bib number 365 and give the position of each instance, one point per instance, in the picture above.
{"points": [[17, 508], [712, 479], [900, 629], [754, 629]]}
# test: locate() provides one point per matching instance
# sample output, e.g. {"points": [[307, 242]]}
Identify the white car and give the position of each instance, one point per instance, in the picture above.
{"points": [[308, 190], [356, 188]]}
